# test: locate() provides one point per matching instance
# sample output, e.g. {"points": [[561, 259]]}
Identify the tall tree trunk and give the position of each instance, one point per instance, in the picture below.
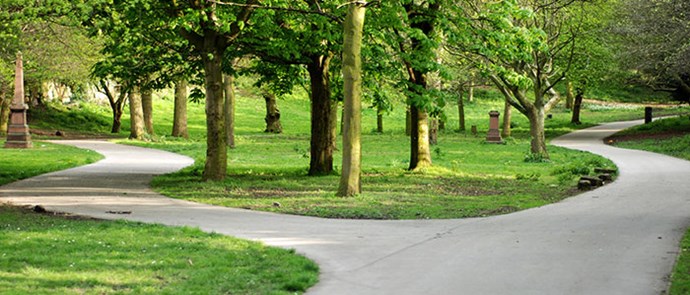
{"points": [[461, 113], [350, 179], [408, 122], [569, 97], [433, 131], [179, 128], [470, 91], [272, 118], [538, 142], [577, 106], [379, 119], [117, 119], [420, 150], [136, 114], [322, 112], [147, 106], [4, 109], [507, 118], [216, 164], [229, 108]]}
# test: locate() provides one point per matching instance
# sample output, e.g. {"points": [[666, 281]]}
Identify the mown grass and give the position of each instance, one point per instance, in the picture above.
{"points": [[671, 137], [16, 164], [43, 254], [469, 178]]}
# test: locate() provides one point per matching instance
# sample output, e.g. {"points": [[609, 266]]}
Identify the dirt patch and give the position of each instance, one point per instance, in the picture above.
{"points": [[39, 210], [62, 134]]}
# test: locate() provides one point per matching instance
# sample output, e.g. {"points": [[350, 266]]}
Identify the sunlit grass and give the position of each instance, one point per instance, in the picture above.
{"points": [[42, 254]]}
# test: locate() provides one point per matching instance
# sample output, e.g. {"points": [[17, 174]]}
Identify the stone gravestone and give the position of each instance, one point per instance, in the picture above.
{"points": [[494, 135], [18, 131]]}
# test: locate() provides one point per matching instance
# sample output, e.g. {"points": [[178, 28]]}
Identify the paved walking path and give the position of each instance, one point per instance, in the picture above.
{"points": [[619, 239]]}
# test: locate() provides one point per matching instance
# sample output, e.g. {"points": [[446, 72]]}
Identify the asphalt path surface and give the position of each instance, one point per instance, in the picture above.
{"points": [[619, 239]]}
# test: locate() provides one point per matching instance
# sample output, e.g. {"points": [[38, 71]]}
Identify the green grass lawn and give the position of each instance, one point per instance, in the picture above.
{"points": [[469, 178], [41, 254], [16, 164], [670, 137]]}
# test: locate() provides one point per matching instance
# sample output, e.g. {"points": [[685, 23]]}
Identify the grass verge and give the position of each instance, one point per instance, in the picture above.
{"points": [[16, 164], [43, 254], [671, 137]]}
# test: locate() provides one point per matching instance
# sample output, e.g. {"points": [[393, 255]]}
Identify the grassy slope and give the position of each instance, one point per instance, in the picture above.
{"points": [[677, 146], [43, 254]]}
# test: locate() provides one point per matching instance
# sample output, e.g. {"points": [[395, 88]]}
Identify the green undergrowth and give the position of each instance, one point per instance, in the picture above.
{"points": [[43, 254], [671, 137], [44, 157]]}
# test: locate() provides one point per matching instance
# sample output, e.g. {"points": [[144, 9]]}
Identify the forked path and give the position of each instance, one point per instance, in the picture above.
{"points": [[619, 239]]}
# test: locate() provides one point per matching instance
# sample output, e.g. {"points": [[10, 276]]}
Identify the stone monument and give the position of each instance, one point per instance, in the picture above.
{"points": [[494, 135], [18, 131]]}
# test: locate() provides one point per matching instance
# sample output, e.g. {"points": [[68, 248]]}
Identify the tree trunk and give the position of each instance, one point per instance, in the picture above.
{"points": [[322, 112], [433, 131], [379, 119], [507, 117], [179, 128], [229, 108], [350, 179], [538, 142], [408, 122], [470, 92], [461, 113], [147, 106], [420, 151], [136, 114], [577, 106], [117, 119], [569, 97], [441, 124], [272, 118], [216, 164], [4, 110]]}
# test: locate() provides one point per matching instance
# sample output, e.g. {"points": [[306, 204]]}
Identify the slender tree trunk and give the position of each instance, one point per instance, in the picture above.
{"points": [[229, 108], [569, 98], [4, 109], [461, 113], [147, 106], [322, 112], [420, 150], [379, 119], [538, 142], [179, 128], [507, 118], [408, 122], [117, 119], [216, 164], [136, 114], [350, 179], [470, 92], [577, 106], [433, 131], [272, 113]]}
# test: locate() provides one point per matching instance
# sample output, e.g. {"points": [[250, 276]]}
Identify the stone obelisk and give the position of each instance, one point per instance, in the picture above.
{"points": [[18, 131]]}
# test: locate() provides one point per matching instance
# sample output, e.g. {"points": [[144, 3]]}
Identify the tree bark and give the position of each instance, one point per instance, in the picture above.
{"points": [[420, 150], [470, 91], [577, 106], [379, 119], [147, 106], [461, 113], [408, 122], [323, 127], [507, 118], [136, 115], [179, 128], [216, 164], [229, 108], [569, 97], [433, 131], [272, 118], [350, 179], [538, 142], [4, 109]]}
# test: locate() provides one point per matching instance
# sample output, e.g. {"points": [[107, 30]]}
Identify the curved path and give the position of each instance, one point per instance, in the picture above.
{"points": [[619, 239]]}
